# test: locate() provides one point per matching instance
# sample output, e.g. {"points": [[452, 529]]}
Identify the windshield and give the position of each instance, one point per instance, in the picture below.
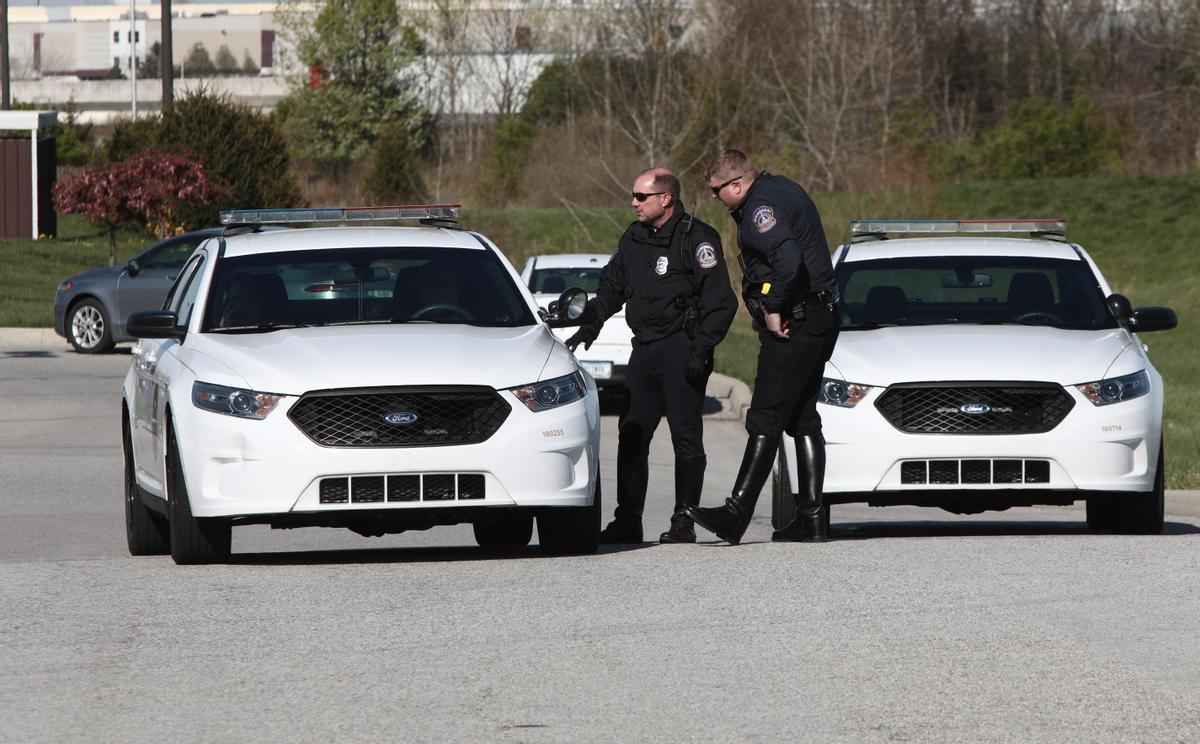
{"points": [[957, 289], [555, 281], [363, 285]]}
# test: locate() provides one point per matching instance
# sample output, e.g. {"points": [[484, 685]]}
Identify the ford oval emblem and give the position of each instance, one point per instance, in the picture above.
{"points": [[975, 409], [400, 418]]}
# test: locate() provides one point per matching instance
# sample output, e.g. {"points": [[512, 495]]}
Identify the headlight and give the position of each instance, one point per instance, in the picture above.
{"points": [[842, 394], [233, 401], [66, 286], [542, 396], [1116, 389]]}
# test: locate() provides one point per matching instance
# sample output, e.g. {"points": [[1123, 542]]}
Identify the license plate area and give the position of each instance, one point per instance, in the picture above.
{"points": [[598, 370]]}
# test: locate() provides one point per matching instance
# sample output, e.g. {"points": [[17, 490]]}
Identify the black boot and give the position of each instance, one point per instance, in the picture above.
{"points": [[808, 525], [689, 482], [633, 475], [730, 521]]}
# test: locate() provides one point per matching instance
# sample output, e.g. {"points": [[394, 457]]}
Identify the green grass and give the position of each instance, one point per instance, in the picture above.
{"points": [[1141, 231]]}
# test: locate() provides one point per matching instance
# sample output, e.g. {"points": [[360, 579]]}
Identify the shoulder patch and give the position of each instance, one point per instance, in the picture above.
{"points": [[763, 218], [706, 256]]}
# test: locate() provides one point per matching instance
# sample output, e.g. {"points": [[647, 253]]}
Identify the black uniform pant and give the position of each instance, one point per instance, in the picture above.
{"points": [[789, 376], [657, 386]]}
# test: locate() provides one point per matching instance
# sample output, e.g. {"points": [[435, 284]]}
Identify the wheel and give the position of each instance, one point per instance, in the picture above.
{"points": [[88, 329], [783, 503], [1100, 514], [571, 530], [506, 531], [145, 531], [193, 539], [1142, 513]]}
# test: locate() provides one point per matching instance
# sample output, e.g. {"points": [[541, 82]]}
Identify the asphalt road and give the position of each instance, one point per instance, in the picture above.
{"points": [[915, 625]]}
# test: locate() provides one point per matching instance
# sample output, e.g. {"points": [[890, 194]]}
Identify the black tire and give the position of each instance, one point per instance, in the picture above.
{"points": [[194, 540], [146, 532], [1143, 513], [88, 327], [1100, 514], [505, 531], [573, 530]]}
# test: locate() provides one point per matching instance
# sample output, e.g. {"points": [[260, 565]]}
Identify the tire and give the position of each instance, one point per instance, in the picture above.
{"points": [[1100, 514], [194, 540], [1143, 513], [146, 532], [88, 327], [506, 531], [572, 530]]}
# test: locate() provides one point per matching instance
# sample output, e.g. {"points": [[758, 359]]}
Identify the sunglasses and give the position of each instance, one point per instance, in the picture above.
{"points": [[639, 197], [717, 189]]}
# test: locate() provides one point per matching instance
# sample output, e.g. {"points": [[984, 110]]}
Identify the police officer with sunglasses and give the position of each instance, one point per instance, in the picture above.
{"points": [[669, 272], [787, 284]]}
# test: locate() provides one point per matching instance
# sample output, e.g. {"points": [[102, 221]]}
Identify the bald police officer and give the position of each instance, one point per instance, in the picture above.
{"points": [[788, 286], [669, 271]]}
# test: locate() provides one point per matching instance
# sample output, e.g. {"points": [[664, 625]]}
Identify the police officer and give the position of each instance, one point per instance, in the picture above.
{"points": [[787, 284], [669, 271]]}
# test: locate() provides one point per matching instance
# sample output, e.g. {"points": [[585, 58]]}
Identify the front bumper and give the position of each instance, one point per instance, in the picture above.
{"points": [[1094, 449], [235, 467]]}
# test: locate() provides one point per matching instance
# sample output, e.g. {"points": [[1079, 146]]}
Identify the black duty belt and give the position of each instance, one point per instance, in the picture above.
{"points": [[817, 299]]}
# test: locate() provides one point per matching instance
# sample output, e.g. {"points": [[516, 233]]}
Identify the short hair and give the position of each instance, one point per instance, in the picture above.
{"points": [[664, 181], [729, 164]]}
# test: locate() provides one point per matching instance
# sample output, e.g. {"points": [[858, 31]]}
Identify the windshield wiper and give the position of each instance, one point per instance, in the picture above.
{"points": [[260, 327]]}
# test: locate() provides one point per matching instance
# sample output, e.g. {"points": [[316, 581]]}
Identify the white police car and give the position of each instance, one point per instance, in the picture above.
{"points": [[607, 359], [380, 379], [977, 373]]}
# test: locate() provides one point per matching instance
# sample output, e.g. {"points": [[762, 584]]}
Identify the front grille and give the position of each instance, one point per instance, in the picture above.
{"points": [[373, 489], [973, 408], [419, 416], [973, 472]]}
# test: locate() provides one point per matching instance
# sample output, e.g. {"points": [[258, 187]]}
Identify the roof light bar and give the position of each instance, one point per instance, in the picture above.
{"points": [[340, 214], [1048, 227]]}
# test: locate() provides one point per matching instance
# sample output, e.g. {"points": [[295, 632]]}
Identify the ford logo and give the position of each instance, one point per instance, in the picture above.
{"points": [[975, 409], [400, 418]]}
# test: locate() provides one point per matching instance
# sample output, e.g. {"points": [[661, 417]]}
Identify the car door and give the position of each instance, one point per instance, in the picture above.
{"points": [[156, 271], [156, 365]]}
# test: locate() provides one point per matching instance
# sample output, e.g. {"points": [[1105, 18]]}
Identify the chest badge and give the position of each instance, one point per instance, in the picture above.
{"points": [[764, 218], [660, 268]]}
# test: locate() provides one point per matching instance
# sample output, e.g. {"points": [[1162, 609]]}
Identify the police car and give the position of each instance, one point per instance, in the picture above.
{"points": [[379, 379], [976, 373], [547, 276]]}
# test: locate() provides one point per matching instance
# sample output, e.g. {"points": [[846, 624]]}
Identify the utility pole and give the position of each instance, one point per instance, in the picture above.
{"points": [[5, 89], [167, 68], [133, 53]]}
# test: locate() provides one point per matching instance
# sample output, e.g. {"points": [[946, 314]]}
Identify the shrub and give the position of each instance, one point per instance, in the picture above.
{"points": [[1042, 139], [394, 176]]}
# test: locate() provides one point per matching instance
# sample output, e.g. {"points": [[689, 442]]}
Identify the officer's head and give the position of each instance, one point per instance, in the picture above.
{"points": [[729, 176], [655, 194]]}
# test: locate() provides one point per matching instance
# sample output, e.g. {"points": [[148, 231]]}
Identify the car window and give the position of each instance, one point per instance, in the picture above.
{"points": [[555, 280], [362, 285], [183, 295], [955, 289], [170, 254]]}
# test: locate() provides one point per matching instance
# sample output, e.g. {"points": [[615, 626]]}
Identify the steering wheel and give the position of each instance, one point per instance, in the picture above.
{"points": [[454, 310], [1036, 315]]}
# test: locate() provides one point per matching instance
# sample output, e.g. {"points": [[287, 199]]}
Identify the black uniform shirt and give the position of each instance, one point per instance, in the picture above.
{"points": [[652, 268], [782, 242]]}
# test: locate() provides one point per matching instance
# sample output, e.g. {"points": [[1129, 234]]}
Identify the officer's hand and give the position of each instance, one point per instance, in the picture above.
{"points": [[776, 324], [583, 336], [699, 367]]}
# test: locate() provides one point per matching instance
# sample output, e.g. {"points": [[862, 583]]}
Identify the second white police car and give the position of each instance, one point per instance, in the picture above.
{"points": [[380, 379], [977, 373]]}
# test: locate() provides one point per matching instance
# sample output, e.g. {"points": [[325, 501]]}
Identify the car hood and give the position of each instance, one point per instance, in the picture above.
{"points": [[885, 356], [295, 361], [100, 274]]}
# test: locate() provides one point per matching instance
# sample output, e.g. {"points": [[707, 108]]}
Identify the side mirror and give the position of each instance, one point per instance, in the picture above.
{"points": [[1153, 319], [154, 324], [1120, 307], [133, 267], [567, 309]]}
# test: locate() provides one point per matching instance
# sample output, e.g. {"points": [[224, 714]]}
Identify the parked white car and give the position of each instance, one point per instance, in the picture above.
{"points": [[977, 373], [548, 276], [380, 379]]}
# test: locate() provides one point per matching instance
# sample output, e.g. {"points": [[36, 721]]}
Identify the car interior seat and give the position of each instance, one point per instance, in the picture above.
{"points": [[273, 298], [242, 303], [1029, 292], [885, 304], [553, 285]]}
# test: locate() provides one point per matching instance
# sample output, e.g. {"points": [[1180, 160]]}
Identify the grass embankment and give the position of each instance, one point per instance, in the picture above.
{"points": [[1141, 231]]}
